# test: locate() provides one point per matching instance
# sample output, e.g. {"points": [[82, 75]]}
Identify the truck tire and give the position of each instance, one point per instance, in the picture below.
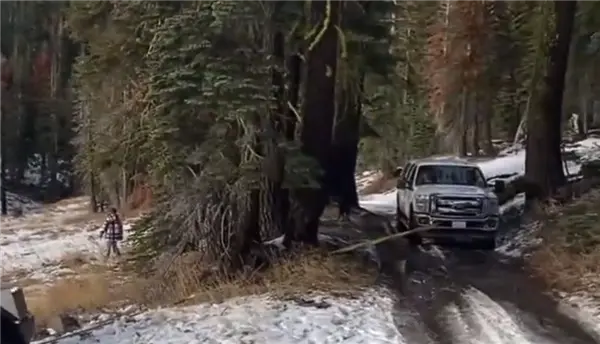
{"points": [[399, 224], [413, 239]]}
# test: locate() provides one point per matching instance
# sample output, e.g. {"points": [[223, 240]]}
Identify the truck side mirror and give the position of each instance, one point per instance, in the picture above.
{"points": [[499, 186]]}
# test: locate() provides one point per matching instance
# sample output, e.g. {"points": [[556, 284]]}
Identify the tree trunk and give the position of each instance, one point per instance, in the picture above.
{"points": [[55, 94], [94, 206], [250, 229], [294, 64], [463, 125], [485, 108], [475, 118], [543, 160], [342, 164], [4, 206], [274, 211], [319, 109]]}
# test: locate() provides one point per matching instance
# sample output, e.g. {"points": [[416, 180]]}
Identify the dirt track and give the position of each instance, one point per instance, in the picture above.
{"points": [[458, 296]]}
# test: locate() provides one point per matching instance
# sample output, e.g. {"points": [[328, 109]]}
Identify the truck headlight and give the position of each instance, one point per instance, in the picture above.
{"points": [[421, 203], [491, 206]]}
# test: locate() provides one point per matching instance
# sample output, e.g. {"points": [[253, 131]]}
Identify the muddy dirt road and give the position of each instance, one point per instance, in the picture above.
{"points": [[472, 297], [462, 296]]}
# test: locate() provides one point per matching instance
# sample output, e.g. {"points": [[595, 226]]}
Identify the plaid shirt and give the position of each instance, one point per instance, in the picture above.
{"points": [[113, 228]]}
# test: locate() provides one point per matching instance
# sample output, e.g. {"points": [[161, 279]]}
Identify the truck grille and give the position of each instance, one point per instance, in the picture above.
{"points": [[454, 206]]}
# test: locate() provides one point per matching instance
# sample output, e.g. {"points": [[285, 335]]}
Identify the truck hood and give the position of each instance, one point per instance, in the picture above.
{"points": [[458, 190]]}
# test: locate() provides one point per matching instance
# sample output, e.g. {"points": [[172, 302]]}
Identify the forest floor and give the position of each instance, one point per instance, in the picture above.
{"points": [[54, 253], [567, 253]]}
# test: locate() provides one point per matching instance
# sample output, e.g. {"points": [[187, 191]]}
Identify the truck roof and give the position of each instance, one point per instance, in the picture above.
{"points": [[444, 160]]}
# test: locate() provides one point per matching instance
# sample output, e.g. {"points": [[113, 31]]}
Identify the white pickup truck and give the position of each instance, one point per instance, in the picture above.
{"points": [[451, 198]]}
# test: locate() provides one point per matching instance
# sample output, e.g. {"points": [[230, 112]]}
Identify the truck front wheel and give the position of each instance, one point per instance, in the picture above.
{"points": [[413, 239]]}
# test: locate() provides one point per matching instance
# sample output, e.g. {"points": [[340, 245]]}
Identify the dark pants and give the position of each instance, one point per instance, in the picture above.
{"points": [[112, 246]]}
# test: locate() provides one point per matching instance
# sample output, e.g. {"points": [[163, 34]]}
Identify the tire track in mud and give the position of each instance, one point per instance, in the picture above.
{"points": [[479, 297], [455, 296]]}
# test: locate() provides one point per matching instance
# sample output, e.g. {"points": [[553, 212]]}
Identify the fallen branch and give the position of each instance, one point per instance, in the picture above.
{"points": [[380, 240]]}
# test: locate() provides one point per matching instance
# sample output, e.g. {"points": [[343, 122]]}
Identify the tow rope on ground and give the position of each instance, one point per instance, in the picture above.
{"points": [[380, 240]]}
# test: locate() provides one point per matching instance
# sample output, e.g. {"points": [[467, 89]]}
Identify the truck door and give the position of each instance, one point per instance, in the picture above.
{"points": [[402, 190]]}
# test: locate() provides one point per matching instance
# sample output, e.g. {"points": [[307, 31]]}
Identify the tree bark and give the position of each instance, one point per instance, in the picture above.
{"points": [[274, 199], [342, 163], [3, 203], [250, 229], [293, 68], [319, 109], [463, 125], [474, 116], [55, 99], [543, 160], [485, 107]]}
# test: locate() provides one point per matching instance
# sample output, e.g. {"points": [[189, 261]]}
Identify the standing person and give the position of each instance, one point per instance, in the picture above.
{"points": [[113, 232]]}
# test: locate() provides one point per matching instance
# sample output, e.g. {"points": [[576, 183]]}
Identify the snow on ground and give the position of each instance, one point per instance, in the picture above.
{"points": [[585, 310], [366, 178], [16, 202], [258, 319], [33, 245], [522, 242], [384, 203], [494, 323]]}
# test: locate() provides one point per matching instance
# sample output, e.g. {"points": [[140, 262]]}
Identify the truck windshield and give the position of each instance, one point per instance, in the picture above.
{"points": [[450, 175]]}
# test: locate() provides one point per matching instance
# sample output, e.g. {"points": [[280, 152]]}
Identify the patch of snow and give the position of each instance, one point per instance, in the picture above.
{"points": [[513, 164], [366, 178], [18, 202], [34, 245], [486, 322], [586, 311], [383, 203], [258, 319], [277, 242], [585, 145], [515, 204], [38, 251]]}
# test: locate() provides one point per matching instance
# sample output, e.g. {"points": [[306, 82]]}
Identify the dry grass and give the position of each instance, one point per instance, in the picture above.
{"points": [[311, 272], [569, 258], [100, 288], [88, 293], [88, 287]]}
